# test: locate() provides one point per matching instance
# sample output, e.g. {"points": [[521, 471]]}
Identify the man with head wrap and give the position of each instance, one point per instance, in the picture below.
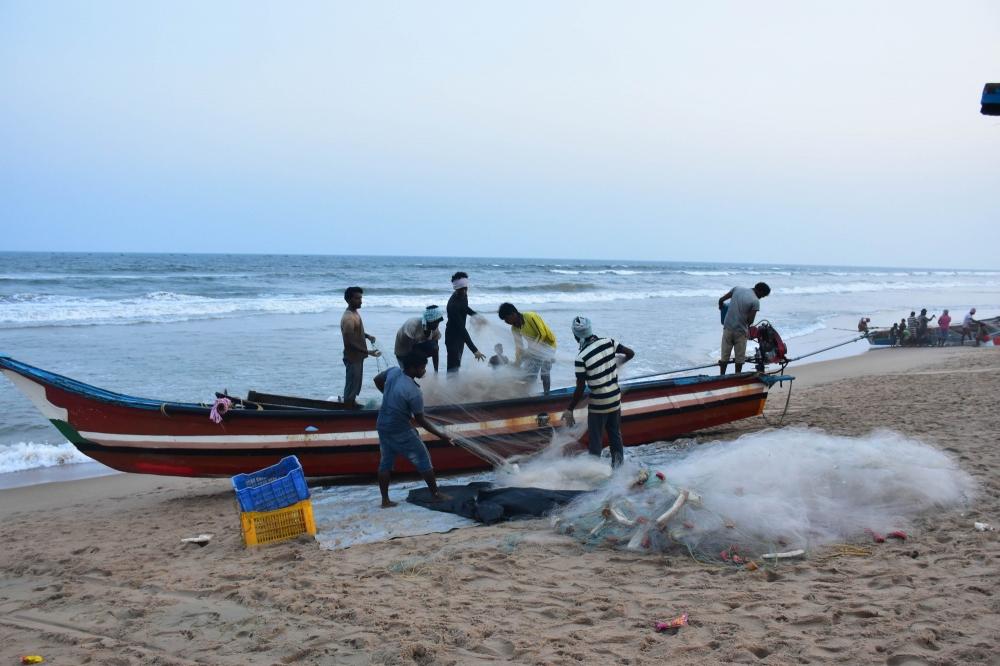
{"points": [[534, 343], [420, 335], [456, 335], [597, 367]]}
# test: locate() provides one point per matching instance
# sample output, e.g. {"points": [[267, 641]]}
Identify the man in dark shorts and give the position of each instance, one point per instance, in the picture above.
{"points": [[402, 401]]}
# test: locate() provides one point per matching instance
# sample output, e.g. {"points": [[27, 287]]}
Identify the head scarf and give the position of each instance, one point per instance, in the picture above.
{"points": [[460, 283], [582, 329], [432, 314]]}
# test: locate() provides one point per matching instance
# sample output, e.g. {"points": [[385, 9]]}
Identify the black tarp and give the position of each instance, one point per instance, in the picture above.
{"points": [[481, 501]]}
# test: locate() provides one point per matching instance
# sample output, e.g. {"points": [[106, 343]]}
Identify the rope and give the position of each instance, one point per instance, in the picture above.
{"points": [[839, 344], [380, 360], [716, 364], [788, 400]]}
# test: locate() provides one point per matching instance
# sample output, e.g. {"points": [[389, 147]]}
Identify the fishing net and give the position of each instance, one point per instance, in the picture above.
{"points": [[766, 496]]}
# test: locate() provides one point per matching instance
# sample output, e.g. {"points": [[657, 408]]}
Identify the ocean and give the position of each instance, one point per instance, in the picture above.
{"points": [[182, 326]]}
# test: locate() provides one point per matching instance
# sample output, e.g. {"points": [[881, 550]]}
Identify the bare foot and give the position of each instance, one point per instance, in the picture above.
{"points": [[386, 504]]}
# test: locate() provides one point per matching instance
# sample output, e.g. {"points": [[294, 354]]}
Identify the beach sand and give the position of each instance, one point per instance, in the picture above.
{"points": [[93, 571]]}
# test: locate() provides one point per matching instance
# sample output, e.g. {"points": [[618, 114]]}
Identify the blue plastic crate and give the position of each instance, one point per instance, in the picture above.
{"points": [[273, 487]]}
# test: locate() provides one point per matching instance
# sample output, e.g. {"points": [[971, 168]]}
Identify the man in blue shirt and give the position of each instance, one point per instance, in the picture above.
{"points": [[402, 401]]}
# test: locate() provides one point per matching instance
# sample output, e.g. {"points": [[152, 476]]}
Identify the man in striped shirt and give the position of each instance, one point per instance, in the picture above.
{"points": [[597, 367]]}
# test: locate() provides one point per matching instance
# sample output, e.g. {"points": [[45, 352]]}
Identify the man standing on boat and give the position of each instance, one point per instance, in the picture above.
{"points": [[420, 335], [355, 346], [456, 335], [534, 344], [402, 401], [944, 323], [597, 367], [923, 326], [970, 327], [742, 310]]}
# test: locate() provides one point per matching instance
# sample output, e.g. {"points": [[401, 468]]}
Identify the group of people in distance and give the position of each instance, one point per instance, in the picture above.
{"points": [[915, 331], [596, 367]]}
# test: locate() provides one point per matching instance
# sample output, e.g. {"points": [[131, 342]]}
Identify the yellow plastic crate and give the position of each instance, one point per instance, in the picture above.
{"points": [[262, 527]]}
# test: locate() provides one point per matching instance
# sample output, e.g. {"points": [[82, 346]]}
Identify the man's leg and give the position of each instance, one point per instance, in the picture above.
{"points": [[352, 381], [387, 457], [530, 368], [546, 377], [739, 349], [726, 348], [595, 429], [383, 487], [615, 443], [455, 355], [416, 453]]}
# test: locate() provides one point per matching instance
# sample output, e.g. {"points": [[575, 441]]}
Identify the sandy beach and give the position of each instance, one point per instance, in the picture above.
{"points": [[93, 571]]}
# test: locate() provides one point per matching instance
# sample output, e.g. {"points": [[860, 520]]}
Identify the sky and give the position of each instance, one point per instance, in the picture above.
{"points": [[828, 133]]}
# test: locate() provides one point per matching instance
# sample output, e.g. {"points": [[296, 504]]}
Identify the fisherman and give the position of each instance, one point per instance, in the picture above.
{"points": [[355, 346], [970, 327], [863, 324], [904, 334], [421, 335], [597, 367], [740, 315], [893, 334], [944, 323], [922, 326], [498, 359], [456, 335], [911, 327], [402, 401], [534, 344]]}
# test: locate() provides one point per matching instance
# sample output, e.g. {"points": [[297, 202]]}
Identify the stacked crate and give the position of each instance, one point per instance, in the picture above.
{"points": [[274, 503]]}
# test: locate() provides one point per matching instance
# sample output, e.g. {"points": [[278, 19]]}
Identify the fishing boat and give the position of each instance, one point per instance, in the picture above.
{"points": [[180, 439], [989, 333]]}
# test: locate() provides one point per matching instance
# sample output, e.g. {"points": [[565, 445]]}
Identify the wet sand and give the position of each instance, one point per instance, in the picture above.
{"points": [[93, 571]]}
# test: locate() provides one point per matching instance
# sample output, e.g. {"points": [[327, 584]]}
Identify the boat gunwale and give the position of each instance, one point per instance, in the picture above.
{"points": [[98, 394]]}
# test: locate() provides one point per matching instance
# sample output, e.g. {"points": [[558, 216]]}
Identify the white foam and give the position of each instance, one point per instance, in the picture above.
{"points": [[29, 455]]}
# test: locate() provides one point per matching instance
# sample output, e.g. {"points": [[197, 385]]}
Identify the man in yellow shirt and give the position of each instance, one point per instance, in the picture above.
{"points": [[534, 344]]}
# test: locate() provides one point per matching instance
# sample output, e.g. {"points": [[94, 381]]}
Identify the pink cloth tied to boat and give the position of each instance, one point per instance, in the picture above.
{"points": [[221, 406]]}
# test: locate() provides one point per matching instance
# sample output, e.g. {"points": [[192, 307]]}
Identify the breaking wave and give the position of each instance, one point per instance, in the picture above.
{"points": [[29, 455]]}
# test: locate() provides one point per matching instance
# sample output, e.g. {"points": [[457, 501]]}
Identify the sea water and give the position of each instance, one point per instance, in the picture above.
{"points": [[181, 327]]}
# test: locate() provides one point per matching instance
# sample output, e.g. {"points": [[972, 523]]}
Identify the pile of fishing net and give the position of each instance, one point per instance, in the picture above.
{"points": [[645, 512], [767, 495]]}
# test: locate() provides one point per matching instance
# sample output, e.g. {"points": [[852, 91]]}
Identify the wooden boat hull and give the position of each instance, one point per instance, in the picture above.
{"points": [[179, 439]]}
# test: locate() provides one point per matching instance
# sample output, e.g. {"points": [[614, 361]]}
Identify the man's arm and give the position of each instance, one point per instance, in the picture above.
{"points": [[750, 317], [380, 381], [626, 352], [469, 343], [725, 297], [431, 428], [568, 418]]}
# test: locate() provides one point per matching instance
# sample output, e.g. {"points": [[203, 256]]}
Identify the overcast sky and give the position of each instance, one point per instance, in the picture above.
{"points": [[796, 132]]}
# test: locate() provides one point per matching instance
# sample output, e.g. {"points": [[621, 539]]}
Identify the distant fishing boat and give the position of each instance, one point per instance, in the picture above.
{"points": [[991, 100], [180, 439], [880, 337]]}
